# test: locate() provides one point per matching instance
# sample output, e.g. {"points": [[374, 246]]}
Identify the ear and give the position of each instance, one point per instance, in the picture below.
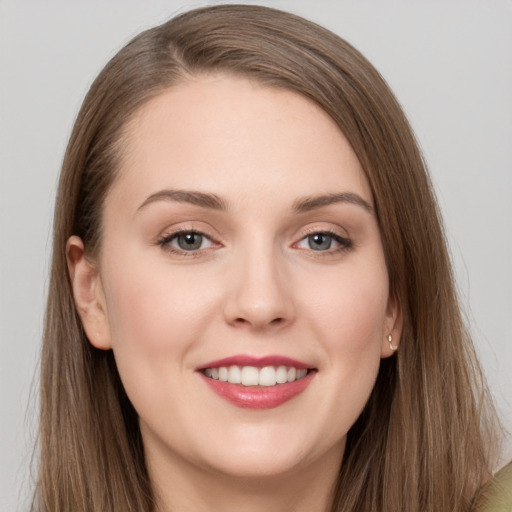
{"points": [[392, 326], [88, 294]]}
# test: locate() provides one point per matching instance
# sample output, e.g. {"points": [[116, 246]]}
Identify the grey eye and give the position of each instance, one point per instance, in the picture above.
{"points": [[319, 242], [189, 241], [182, 242]]}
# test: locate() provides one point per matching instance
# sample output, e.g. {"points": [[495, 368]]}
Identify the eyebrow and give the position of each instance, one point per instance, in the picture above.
{"points": [[202, 199], [314, 202], [214, 202]]}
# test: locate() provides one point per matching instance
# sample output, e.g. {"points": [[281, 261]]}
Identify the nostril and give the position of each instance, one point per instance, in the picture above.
{"points": [[240, 321]]}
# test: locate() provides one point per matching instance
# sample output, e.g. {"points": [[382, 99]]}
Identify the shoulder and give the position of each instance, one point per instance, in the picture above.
{"points": [[496, 496]]}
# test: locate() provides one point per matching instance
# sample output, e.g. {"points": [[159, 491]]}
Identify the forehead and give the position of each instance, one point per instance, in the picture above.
{"points": [[235, 137]]}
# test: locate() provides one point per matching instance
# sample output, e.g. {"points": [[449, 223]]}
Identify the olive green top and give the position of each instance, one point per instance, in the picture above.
{"points": [[497, 494]]}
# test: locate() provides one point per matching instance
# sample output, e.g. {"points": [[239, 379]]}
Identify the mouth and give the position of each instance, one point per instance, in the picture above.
{"points": [[257, 383]]}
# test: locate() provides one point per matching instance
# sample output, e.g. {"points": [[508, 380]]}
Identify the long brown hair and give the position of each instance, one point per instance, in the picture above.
{"points": [[423, 441]]}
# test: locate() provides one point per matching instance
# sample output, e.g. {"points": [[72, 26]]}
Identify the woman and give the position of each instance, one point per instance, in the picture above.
{"points": [[251, 303]]}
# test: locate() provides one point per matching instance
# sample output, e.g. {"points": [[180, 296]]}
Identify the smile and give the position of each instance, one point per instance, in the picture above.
{"points": [[257, 383]]}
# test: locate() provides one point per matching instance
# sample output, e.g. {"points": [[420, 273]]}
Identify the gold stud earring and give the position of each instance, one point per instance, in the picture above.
{"points": [[391, 346]]}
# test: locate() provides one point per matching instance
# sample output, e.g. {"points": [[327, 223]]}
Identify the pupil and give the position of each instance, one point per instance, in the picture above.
{"points": [[190, 241], [320, 242]]}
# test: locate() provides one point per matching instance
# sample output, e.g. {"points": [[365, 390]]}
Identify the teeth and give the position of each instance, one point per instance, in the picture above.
{"points": [[281, 375], [223, 374], [234, 375], [267, 376], [252, 376]]}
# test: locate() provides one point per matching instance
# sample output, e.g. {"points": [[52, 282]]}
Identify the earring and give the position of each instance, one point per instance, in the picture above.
{"points": [[391, 346]]}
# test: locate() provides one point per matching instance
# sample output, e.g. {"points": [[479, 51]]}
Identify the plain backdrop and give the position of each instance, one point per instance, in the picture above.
{"points": [[449, 62]]}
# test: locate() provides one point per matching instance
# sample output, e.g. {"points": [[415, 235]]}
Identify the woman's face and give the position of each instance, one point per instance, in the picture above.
{"points": [[240, 240]]}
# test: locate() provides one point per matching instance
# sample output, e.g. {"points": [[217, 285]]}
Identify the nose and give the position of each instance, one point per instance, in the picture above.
{"points": [[259, 293]]}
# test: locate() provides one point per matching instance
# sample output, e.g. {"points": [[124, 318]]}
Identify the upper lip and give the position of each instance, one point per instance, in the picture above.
{"points": [[258, 362]]}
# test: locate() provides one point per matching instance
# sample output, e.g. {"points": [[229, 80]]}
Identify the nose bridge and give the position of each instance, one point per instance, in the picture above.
{"points": [[259, 293]]}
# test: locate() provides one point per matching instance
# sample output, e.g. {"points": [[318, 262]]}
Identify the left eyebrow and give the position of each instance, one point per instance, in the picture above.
{"points": [[314, 202], [202, 199]]}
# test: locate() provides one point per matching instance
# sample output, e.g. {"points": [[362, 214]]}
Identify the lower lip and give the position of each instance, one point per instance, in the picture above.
{"points": [[259, 397]]}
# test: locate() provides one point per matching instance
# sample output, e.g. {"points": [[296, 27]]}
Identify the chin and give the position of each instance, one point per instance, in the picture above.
{"points": [[259, 466], [271, 457]]}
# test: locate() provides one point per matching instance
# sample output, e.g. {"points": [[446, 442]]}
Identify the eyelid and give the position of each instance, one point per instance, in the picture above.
{"points": [[342, 240], [314, 228], [345, 243], [168, 235]]}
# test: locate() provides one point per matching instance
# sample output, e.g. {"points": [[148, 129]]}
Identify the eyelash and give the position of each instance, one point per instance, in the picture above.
{"points": [[345, 244], [165, 242]]}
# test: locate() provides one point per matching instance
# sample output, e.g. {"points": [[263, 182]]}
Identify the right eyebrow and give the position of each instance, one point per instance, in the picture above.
{"points": [[314, 202], [202, 199]]}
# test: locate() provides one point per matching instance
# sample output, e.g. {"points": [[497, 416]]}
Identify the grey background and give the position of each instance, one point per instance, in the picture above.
{"points": [[449, 62]]}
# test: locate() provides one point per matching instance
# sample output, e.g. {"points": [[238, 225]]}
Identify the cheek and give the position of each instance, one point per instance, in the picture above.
{"points": [[155, 321], [346, 314], [152, 308], [349, 310]]}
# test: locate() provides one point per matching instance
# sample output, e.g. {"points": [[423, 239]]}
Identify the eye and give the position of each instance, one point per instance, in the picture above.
{"points": [[324, 241], [187, 241], [319, 241]]}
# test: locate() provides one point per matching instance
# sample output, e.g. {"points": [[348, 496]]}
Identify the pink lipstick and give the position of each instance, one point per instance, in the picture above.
{"points": [[257, 382]]}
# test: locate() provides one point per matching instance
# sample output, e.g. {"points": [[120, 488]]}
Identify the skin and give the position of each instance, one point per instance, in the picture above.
{"points": [[256, 287]]}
